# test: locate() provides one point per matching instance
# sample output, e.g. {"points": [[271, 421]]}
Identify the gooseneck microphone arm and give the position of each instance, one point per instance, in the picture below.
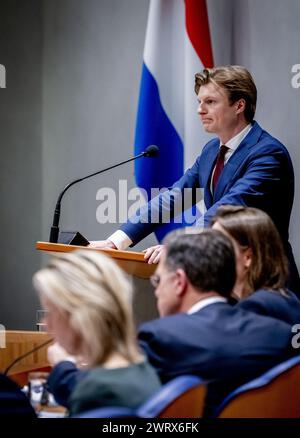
{"points": [[28, 353], [151, 151]]}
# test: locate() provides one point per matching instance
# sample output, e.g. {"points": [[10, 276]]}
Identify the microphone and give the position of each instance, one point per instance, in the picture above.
{"points": [[149, 152], [28, 353]]}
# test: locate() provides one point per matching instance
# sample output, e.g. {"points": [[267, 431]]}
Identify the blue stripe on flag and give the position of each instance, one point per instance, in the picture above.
{"points": [[154, 127]]}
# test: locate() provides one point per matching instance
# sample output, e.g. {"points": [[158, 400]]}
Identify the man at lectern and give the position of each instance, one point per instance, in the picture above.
{"points": [[243, 165]]}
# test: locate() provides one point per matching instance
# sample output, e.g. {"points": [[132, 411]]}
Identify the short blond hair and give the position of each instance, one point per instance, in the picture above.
{"points": [[97, 297], [236, 80]]}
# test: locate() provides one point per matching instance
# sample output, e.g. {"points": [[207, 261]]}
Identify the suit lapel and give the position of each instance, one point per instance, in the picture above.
{"points": [[236, 160]]}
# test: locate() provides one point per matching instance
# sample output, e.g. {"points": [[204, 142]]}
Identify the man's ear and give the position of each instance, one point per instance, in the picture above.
{"points": [[240, 106], [181, 282]]}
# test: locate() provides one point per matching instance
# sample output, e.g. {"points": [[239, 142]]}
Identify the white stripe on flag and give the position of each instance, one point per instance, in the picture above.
{"points": [[172, 60]]}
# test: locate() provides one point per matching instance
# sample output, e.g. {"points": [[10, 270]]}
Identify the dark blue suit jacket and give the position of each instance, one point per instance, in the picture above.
{"points": [[63, 379], [272, 303], [259, 174], [220, 343], [12, 400]]}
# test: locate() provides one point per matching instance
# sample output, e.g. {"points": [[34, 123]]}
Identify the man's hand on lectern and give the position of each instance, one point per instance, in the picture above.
{"points": [[153, 254]]}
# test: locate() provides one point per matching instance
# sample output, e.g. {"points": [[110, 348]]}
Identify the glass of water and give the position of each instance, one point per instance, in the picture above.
{"points": [[41, 324]]}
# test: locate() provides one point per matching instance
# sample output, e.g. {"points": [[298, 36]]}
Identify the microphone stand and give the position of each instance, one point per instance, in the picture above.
{"points": [[151, 151], [28, 353]]}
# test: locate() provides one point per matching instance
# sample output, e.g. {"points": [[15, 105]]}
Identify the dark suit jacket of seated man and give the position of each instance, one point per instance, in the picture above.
{"points": [[257, 172], [13, 402], [199, 332]]}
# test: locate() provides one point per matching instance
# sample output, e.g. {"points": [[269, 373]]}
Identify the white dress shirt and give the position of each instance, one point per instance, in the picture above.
{"points": [[120, 240], [206, 302]]}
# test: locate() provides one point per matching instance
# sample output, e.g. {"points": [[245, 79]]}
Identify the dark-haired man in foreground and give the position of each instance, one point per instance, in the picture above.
{"points": [[199, 332]]}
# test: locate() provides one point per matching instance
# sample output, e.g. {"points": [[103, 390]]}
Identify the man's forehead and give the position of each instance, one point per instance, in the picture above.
{"points": [[211, 90]]}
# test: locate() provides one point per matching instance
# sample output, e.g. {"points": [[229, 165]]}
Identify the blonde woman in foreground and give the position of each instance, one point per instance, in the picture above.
{"points": [[89, 304]]}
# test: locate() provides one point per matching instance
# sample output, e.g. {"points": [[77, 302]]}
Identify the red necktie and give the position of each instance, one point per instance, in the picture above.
{"points": [[219, 165]]}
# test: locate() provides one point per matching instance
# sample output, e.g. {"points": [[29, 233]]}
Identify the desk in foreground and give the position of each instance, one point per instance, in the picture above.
{"points": [[18, 343], [131, 262]]}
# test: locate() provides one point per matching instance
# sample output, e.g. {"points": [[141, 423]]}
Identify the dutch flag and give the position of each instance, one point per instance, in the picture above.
{"points": [[177, 46]]}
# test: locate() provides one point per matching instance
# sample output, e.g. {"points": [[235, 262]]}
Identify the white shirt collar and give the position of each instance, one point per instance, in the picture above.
{"points": [[205, 302], [235, 141]]}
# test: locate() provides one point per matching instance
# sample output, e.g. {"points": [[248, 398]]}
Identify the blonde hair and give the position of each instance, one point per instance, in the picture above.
{"points": [[236, 80], [97, 297], [253, 228]]}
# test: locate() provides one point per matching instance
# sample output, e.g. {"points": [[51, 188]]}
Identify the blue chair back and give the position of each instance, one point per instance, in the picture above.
{"points": [[108, 412], [275, 394], [182, 397]]}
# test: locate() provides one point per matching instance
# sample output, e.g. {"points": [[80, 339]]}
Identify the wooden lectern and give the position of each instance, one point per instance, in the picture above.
{"points": [[131, 262]]}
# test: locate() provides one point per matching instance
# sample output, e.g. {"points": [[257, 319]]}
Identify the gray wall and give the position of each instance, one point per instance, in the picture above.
{"points": [[73, 71], [20, 163], [92, 65]]}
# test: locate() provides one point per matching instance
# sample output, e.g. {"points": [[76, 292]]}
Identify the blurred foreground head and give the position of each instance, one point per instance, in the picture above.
{"points": [[89, 303]]}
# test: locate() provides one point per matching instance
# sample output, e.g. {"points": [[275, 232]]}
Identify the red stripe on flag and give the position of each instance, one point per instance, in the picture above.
{"points": [[196, 20]]}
